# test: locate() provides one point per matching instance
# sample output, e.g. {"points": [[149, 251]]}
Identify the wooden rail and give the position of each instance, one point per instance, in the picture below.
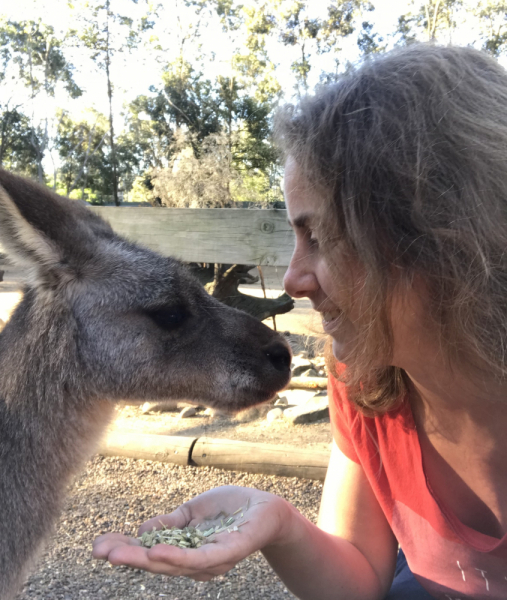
{"points": [[208, 235], [249, 457]]}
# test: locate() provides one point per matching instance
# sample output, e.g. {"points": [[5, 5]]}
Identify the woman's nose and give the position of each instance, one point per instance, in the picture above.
{"points": [[299, 280]]}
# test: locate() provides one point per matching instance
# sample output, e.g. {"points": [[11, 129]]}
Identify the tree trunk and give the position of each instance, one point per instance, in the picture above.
{"points": [[225, 289], [111, 128]]}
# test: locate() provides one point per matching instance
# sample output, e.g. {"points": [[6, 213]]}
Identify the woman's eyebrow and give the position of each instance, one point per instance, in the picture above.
{"points": [[301, 221]]}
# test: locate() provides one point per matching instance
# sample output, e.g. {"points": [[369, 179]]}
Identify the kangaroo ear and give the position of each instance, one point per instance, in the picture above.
{"points": [[45, 232], [23, 243]]}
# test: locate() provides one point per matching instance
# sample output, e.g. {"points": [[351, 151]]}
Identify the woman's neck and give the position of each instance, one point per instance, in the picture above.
{"points": [[448, 403]]}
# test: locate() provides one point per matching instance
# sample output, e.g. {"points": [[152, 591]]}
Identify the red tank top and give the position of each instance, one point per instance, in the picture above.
{"points": [[450, 560]]}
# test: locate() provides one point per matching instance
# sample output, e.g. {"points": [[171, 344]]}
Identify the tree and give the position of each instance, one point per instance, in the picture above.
{"points": [[369, 42], [190, 100], [191, 181], [38, 55], [106, 33], [17, 151], [149, 130], [254, 67], [299, 30], [80, 146], [435, 20], [343, 19], [492, 16]]}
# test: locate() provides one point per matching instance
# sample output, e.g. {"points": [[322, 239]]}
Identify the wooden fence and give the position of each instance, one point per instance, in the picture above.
{"points": [[208, 235]]}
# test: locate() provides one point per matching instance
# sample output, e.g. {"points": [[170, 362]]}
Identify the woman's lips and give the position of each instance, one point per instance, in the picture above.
{"points": [[330, 320]]}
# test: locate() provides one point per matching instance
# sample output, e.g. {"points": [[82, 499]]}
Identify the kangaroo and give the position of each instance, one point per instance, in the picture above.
{"points": [[101, 319]]}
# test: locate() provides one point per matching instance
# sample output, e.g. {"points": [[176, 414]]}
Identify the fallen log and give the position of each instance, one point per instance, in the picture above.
{"points": [[308, 383], [249, 457], [269, 459], [164, 448]]}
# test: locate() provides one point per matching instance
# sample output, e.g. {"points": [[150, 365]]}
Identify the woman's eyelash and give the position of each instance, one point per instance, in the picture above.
{"points": [[312, 241]]}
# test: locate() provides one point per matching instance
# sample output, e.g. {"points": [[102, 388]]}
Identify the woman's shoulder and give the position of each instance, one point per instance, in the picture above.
{"points": [[362, 433]]}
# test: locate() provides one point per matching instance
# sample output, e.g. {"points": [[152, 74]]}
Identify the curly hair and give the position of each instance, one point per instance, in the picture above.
{"points": [[410, 153]]}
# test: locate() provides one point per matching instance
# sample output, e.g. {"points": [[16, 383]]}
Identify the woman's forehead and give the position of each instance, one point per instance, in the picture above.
{"points": [[304, 203]]}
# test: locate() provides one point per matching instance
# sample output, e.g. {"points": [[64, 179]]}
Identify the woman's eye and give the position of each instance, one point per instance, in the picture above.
{"points": [[169, 318], [312, 240]]}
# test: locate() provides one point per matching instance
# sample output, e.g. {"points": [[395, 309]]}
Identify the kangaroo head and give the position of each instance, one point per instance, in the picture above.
{"points": [[138, 324]]}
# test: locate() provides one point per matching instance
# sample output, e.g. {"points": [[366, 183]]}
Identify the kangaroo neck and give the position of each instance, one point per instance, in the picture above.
{"points": [[50, 422]]}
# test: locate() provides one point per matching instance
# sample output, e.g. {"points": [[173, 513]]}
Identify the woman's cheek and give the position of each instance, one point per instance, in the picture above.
{"points": [[343, 339]]}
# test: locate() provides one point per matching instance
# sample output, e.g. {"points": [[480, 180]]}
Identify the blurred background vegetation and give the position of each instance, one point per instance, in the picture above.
{"points": [[172, 103]]}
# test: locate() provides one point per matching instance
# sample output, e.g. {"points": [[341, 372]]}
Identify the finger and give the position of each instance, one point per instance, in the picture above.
{"points": [[137, 558], [140, 558], [179, 518], [209, 556], [103, 545], [109, 536]]}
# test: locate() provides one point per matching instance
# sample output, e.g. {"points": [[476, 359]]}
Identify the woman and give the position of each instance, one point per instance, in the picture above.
{"points": [[396, 187]]}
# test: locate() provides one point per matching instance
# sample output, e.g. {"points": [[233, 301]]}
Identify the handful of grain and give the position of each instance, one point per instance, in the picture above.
{"points": [[188, 537], [194, 537]]}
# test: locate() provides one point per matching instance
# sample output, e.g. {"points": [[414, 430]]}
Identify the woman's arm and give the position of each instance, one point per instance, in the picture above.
{"points": [[351, 555]]}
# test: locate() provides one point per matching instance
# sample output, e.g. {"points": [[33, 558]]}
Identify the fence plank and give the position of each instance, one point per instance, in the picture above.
{"points": [[237, 235]]}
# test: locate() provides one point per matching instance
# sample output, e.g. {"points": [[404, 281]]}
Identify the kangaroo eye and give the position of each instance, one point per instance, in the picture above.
{"points": [[168, 318]]}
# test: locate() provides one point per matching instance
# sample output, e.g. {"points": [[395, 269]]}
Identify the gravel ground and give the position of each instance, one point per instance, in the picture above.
{"points": [[115, 494]]}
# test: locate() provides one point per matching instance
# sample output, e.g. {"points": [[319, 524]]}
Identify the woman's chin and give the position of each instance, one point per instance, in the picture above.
{"points": [[339, 350]]}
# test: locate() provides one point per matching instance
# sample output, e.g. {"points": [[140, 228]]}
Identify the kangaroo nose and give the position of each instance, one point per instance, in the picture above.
{"points": [[279, 356]]}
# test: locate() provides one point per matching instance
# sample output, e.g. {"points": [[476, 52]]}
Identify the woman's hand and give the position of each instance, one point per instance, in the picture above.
{"points": [[266, 521]]}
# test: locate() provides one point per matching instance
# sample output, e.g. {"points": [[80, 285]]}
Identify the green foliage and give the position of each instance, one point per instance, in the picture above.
{"points": [[433, 20], [492, 16], [200, 135], [298, 29], [83, 152], [190, 100], [39, 57], [17, 143], [149, 131]]}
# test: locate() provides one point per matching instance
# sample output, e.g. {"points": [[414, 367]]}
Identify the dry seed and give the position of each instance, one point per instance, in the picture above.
{"points": [[182, 538], [193, 537]]}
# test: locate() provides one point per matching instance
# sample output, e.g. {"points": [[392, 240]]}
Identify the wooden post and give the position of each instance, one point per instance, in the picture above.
{"points": [[270, 459], [164, 448], [308, 383], [250, 457]]}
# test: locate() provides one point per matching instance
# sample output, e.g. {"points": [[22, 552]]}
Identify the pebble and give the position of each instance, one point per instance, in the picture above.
{"points": [[313, 410], [188, 411], [282, 401], [273, 414]]}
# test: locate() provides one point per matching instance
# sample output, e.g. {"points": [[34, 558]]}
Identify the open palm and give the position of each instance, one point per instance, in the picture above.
{"points": [[261, 519]]}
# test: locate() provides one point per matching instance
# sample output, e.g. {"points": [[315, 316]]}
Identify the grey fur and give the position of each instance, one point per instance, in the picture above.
{"points": [[101, 319]]}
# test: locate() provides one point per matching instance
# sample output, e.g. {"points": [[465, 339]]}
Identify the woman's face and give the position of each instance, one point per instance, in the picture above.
{"points": [[338, 293], [336, 298]]}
